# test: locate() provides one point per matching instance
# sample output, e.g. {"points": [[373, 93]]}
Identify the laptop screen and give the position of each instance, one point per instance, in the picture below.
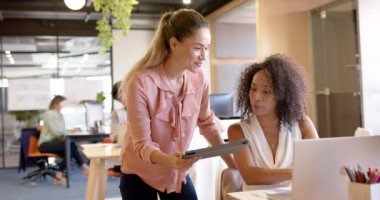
{"points": [[317, 165]]}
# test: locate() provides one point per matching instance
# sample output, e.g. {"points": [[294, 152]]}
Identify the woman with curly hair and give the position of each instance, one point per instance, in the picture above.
{"points": [[271, 98]]}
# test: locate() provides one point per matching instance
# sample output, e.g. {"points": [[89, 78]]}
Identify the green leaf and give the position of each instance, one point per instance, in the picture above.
{"points": [[120, 11]]}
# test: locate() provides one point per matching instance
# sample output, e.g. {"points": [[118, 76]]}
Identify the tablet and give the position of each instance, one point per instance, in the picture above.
{"points": [[218, 150]]}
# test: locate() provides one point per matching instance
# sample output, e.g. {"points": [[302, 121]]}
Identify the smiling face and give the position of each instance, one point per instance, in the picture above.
{"points": [[262, 98], [191, 52]]}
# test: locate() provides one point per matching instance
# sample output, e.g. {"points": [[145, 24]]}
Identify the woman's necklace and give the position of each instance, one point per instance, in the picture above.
{"points": [[272, 138]]}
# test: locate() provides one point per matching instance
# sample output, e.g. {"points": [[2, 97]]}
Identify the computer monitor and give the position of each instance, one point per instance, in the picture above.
{"points": [[222, 105], [318, 165], [94, 113], [74, 116]]}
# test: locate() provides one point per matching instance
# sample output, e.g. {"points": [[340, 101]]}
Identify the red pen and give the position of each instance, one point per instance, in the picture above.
{"points": [[369, 173]]}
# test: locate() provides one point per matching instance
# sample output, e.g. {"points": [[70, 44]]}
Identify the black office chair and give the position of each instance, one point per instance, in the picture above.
{"points": [[32, 154]]}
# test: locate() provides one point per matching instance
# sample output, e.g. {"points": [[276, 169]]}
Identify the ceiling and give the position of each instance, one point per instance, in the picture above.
{"points": [[30, 29], [53, 14]]}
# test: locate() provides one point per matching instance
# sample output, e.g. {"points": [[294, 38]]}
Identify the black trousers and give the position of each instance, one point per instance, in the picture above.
{"points": [[133, 188], [58, 147]]}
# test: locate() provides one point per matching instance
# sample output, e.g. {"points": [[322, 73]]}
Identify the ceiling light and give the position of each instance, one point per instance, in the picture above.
{"points": [[186, 1], [75, 4]]}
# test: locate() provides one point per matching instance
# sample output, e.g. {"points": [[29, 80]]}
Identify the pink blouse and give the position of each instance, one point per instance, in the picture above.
{"points": [[157, 120]]}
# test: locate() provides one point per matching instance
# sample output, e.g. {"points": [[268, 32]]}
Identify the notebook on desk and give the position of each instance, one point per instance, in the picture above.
{"points": [[317, 165]]}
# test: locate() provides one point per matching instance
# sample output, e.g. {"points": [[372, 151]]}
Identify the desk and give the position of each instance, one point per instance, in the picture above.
{"points": [[97, 178], [277, 193], [74, 137]]}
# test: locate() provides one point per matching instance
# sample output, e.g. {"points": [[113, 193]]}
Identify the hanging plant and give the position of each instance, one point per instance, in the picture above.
{"points": [[120, 10]]}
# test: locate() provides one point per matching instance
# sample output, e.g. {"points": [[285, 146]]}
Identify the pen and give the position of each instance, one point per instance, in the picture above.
{"points": [[349, 173]]}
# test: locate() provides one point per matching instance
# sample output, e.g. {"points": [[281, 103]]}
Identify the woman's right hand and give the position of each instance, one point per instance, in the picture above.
{"points": [[172, 160], [180, 163]]}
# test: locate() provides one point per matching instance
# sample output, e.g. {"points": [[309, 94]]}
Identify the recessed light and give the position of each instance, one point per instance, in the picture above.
{"points": [[186, 1]]}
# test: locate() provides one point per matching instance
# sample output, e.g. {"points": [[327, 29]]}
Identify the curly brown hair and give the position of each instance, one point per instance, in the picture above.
{"points": [[289, 88]]}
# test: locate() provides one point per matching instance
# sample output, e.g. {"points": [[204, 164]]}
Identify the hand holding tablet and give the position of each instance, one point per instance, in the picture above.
{"points": [[223, 149]]}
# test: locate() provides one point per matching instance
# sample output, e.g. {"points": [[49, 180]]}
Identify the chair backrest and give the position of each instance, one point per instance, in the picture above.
{"points": [[230, 181], [26, 133]]}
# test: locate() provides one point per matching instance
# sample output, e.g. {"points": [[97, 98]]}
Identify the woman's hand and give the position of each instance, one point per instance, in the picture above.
{"points": [[76, 130], [177, 162], [172, 160]]}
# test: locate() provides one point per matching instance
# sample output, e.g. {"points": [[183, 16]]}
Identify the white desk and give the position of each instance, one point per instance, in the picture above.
{"points": [[97, 178], [278, 193]]}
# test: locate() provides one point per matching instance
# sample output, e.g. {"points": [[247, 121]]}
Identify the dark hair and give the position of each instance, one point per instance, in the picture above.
{"points": [[115, 91], [288, 84], [56, 100]]}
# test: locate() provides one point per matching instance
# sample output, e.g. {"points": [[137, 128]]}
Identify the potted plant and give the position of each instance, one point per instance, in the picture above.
{"points": [[27, 116], [100, 97]]}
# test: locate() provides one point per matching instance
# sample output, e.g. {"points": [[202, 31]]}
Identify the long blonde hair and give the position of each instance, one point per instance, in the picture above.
{"points": [[178, 24]]}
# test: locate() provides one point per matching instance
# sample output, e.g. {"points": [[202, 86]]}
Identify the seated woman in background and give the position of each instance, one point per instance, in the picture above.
{"points": [[271, 98], [52, 137]]}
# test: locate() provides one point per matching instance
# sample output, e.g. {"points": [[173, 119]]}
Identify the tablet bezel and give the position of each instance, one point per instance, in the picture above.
{"points": [[223, 149]]}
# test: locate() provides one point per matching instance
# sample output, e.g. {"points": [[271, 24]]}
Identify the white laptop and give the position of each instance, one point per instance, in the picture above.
{"points": [[317, 165]]}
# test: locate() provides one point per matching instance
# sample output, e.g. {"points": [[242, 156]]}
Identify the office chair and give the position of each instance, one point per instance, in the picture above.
{"points": [[230, 181], [30, 145]]}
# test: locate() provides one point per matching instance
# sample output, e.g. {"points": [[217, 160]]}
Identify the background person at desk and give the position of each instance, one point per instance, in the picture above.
{"points": [[118, 118], [271, 98], [118, 125], [167, 96], [52, 136]]}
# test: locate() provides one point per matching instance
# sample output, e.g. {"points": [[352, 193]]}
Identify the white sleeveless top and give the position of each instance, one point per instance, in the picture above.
{"points": [[262, 153]]}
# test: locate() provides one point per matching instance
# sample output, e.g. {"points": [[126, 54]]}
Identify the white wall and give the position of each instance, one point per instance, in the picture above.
{"points": [[127, 51], [369, 32]]}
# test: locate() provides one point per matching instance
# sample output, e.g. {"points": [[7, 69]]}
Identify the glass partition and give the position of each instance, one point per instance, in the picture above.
{"points": [[336, 68], [35, 68]]}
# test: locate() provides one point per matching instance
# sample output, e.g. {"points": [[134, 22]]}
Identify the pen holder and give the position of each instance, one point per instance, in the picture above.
{"points": [[361, 191]]}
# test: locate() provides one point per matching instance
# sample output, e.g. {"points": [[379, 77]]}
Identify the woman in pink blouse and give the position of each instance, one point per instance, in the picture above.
{"points": [[167, 96]]}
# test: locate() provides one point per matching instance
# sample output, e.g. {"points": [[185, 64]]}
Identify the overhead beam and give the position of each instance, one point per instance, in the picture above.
{"points": [[22, 27]]}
